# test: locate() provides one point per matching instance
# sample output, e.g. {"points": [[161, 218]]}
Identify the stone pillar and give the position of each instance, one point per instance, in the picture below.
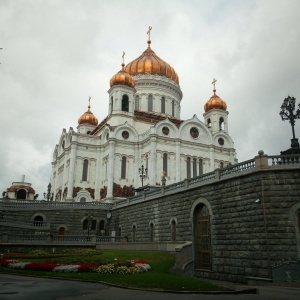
{"points": [[71, 172], [65, 176], [152, 167], [178, 162], [261, 161], [110, 171]]}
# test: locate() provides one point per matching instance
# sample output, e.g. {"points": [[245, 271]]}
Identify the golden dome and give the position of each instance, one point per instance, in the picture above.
{"points": [[88, 118], [122, 78], [215, 102], [149, 63]]}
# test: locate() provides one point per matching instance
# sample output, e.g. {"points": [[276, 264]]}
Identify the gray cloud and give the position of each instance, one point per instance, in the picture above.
{"points": [[58, 53]]}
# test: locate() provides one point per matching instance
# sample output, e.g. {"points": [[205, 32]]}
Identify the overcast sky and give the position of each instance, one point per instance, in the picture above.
{"points": [[58, 53]]}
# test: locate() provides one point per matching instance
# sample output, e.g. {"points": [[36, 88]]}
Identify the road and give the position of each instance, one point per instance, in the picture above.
{"points": [[14, 287]]}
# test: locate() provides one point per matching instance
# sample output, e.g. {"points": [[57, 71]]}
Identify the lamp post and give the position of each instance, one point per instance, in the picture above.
{"points": [[48, 194], [143, 173], [90, 220], [288, 113]]}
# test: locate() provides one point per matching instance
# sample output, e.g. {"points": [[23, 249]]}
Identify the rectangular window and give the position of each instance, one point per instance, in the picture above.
{"points": [[194, 167], [85, 170], [188, 167], [123, 168], [165, 164]]}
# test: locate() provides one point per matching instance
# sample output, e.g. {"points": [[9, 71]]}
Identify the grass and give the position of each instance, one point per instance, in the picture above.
{"points": [[159, 277]]}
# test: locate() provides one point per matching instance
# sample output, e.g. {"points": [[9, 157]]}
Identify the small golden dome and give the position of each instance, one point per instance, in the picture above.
{"points": [[88, 118], [215, 102], [122, 77], [149, 63]]}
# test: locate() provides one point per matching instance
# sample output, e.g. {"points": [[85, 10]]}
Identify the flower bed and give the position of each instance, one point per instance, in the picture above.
{"points": [[118, 267]]}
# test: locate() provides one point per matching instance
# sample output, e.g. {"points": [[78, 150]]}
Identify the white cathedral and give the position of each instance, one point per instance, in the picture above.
{"points": [[142, 137]]}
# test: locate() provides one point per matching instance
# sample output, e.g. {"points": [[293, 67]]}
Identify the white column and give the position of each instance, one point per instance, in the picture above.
{"points": [[110, 175], [178, 165], [212, 159], [137, 163], [64, 178], [71, 173], [153, 163], [98, 174]]}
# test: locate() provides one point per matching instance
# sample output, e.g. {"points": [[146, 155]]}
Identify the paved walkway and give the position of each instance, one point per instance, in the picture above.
{"points": [[15, 287]]}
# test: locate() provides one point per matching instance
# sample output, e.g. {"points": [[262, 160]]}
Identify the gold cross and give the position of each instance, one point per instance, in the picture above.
{"points": [[148, 32], [89, 102], [123, 58], [214, 83]]}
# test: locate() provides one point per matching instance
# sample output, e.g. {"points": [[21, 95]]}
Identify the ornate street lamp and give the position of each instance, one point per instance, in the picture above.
{"points": [[143, 173], [288, 113], [48, 195]]}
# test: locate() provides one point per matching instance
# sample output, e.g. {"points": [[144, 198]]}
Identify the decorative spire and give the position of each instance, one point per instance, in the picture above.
{"points": [[148, 32], [214, 83], [123, 64]]}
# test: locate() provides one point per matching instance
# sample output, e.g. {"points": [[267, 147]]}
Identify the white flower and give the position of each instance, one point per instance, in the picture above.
{"points": [[66, 268]]}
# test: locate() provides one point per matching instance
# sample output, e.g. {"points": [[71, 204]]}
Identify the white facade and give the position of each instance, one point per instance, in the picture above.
{"points": [[143, 127]]}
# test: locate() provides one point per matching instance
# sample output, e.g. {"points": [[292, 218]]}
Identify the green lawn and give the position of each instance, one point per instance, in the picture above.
{"points": [[159, 277]]}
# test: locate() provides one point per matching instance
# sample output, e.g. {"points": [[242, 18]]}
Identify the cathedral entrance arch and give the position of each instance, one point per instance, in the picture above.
{"points": [[201, 216], [21, 194]]}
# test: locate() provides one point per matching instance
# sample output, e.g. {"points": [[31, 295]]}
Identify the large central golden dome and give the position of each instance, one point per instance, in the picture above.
{"points": [[149, 63]]}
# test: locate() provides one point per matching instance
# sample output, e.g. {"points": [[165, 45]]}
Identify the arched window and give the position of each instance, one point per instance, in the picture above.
{"points": [[173, 108], [137, 103], [163, 105], [61, 231], [150, 103], [101, 225], [38, 221], [221, 123], [111, 104], [151, 232], [200, 166], [21, 194], [188, 168], [173, 230], [85, 170], [194, 167], [133, 233], [208, 123], [221, 164], [202, 237], [82, 200], [123, 168], [94, 225], [125, 103], [85, 224], [165, 164]]}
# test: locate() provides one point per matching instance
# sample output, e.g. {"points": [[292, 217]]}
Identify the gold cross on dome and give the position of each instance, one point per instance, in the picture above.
{"points": [[89, 102], [123, 58], [148, 32], [214, 83]]}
